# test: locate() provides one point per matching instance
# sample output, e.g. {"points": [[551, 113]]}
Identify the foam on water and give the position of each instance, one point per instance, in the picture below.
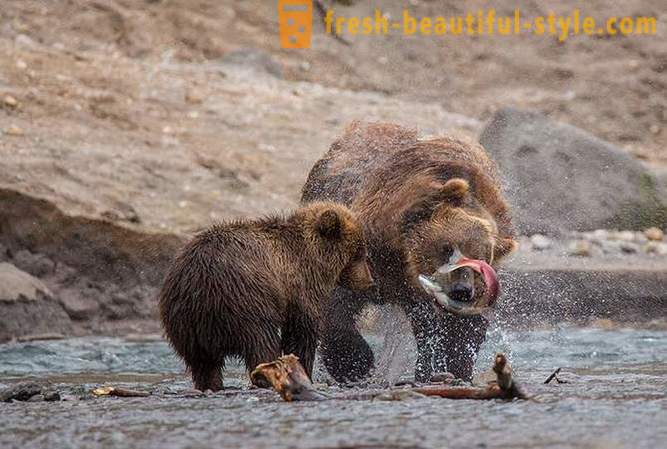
{"points": [[616, 396]]}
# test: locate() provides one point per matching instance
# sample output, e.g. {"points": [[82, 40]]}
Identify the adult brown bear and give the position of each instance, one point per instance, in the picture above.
{"points": [[419, 201]]}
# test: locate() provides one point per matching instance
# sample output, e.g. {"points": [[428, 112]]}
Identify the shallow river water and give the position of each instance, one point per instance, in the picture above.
{"points": [[616, 396]]}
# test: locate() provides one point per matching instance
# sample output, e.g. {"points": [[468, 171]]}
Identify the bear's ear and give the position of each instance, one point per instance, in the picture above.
{"points": [[329, 224], [455, 190], [452, 192]]}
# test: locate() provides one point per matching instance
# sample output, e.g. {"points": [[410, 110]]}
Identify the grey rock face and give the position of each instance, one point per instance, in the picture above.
{"points": [[17, 285], [256, 60], [559, 177], [27, 306]]}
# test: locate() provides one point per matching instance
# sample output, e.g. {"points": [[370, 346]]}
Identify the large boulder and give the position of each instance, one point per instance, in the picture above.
{"points": [[27, 307], [559, 177]]}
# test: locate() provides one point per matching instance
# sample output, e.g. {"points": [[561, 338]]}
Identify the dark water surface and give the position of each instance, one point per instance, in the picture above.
{"points": [[616, 396]]}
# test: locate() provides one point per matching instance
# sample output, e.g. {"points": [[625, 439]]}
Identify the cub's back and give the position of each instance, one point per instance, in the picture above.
{"points": [[228, 268]]}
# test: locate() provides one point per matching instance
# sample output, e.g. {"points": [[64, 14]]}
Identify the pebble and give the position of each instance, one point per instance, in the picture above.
{"points": [[10, 101], [610, 246], [629, 247], [540, 242], [654, 234], [14, 130], [601, 234], [194, 97], [581, 248], [626, 236], [657, 248]]}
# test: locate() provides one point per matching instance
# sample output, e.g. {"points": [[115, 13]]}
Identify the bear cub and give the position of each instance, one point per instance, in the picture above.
{"points": [[255, 289]]}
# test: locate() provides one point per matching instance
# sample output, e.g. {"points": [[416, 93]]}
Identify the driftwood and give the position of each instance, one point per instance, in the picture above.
{"points": [[119, 392], [288, 378], [554, 376]]}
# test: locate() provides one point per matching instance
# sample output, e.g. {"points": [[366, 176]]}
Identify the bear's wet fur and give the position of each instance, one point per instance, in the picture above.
{"points": [[254, 288], [417, 200]]}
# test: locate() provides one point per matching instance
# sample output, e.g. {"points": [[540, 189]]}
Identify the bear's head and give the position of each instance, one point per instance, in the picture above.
{"points": [[451, 224], [339, 243]]}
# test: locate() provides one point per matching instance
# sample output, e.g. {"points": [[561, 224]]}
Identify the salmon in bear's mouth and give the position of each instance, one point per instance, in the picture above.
{"points": [[492, 287]]}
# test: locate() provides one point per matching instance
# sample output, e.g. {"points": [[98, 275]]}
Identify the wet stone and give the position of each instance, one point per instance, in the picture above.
{"points": [[581, 248], [51, 396], [629, 247], [540, 242], [654, 234], [656, 248], [20, 392]]}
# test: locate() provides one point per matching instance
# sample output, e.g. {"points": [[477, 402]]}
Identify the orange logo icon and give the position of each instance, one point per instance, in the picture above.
{"points": [[296, 23]]}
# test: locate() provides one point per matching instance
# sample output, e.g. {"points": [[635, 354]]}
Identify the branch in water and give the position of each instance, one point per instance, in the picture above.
{"points": [[288, 378]]}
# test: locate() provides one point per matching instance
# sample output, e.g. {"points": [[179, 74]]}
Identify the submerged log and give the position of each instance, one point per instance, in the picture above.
{"points": [[504, 387], [288, 378]]}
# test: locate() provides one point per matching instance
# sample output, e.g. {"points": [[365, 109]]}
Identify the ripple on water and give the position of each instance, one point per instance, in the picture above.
{"points": [[616, 397]]}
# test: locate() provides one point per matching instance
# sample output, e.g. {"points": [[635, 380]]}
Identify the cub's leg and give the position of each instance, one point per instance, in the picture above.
{"points": [[299, 337], [207, 376], [263, 347]]}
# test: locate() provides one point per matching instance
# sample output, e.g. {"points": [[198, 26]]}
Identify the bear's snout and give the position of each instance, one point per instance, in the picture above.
{"points": [[461, 291]]}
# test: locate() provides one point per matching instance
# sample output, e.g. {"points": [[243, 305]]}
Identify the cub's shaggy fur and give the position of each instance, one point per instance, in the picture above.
{"points": [[254, 289]]}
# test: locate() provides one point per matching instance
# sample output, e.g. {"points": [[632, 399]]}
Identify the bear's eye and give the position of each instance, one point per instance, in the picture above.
{"points": [[360, 254], [446, 252]]}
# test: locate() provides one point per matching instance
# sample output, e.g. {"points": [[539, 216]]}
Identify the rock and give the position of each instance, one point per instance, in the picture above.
{"points": [[36, 264], [611, 246], [14, 130], [10, 101], [603, 323], [20, 392], [601, 234], [654, 234], [580, 248], [625, 236], [25, 41], [29, 392], [629, 247], [560, 178], [17, 285], [51, 396], [27, 306], [657, 248], [194, 96], [256, 60], [540, 242], [80, 305]]}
